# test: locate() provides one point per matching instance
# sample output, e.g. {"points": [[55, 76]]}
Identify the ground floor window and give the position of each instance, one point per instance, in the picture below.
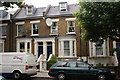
{"points": [[24, 46], [67, 48], [1, 47], [98, 49]]}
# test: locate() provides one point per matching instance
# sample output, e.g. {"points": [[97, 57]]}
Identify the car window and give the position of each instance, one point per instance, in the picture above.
{"points": [[71, 64], [82, 65], [61, 64]]}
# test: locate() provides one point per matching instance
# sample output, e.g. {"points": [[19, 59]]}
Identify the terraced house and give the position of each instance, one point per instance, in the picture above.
{"points": [[53, 30], [5, 31]]}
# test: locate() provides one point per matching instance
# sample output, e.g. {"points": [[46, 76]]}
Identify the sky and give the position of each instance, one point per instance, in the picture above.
{"points": [[44, 3]]}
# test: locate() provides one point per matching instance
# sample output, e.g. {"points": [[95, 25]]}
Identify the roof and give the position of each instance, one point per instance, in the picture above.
{"points": [[5, 15], [53, 12], [22, 13]]}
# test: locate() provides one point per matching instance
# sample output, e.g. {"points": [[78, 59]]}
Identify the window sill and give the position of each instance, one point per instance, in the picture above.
{"points": [[71, 33], [35, 35], [93, 57], [54, 34], [4, 37], [68, 57]]}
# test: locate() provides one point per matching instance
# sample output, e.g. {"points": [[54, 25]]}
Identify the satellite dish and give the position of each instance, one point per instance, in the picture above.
{"points": [[49, 21]]}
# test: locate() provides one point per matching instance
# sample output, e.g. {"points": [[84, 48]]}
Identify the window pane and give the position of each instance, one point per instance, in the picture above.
{"points": [[3, 30], [29, 10], [20, 29], [54, 28], [71, 26], [73, 45], [54, 24], [28, 47], [35, 28], [61, 64], [63, 5], [99, 49], [1, 47], [71, 29], [66, 48], [22, 47], [71, 64], [82, 65], [70, 23]]}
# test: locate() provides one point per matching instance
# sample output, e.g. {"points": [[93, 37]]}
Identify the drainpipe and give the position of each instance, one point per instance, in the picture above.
{"points": [[11, 34]]}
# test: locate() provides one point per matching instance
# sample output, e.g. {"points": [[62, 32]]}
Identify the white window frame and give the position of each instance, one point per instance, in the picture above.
{"points": [[2, 42], [31, 10], [34, 22], [61, 48], [25, 41], [17, 29], [64, 8], [105, 50], [54, 20], [19, 23], [70, 19], [1, 30]]}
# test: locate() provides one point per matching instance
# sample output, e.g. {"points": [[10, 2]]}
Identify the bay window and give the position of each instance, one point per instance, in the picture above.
{"points": [[67, 48]]}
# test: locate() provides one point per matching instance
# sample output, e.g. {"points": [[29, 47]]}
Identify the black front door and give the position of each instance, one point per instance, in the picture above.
{"points": [[40, 48], [49, 49]]}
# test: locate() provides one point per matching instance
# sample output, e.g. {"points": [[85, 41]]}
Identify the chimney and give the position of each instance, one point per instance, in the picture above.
{"points": [[46, 10]]}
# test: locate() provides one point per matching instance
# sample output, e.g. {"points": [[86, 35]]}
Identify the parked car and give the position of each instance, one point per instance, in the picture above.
{"points": [[2, 78], [63, 70]]}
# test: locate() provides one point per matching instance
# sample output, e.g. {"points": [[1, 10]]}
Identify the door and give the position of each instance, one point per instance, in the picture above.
{"points": [[40, 48], [49, 49]]}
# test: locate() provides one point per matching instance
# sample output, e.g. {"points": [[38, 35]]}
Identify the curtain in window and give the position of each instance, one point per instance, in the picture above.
{"points": [[35, 28], [66, 48]]}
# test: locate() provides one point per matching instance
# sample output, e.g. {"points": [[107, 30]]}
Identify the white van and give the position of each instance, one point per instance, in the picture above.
{"points": [[17, 64]]}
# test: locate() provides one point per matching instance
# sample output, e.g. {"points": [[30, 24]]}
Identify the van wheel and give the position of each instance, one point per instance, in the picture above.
{"points": [[17, 75]]}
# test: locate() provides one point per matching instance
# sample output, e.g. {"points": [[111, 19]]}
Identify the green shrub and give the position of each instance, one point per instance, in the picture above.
{"points": [[99, 65], [51, 62]]}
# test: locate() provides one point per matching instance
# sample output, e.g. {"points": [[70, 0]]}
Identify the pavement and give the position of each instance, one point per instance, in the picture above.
{"points": [[43, 74]]}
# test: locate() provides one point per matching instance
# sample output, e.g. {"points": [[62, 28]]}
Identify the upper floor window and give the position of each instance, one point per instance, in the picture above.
{"points": [[29, 10], [4, 31], [71, 26], [54, 28], [63, 6], [19, 30], [35, 29]]}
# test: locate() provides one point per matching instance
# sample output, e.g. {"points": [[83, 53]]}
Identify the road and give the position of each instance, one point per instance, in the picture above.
{"points": [[35, 78], [38, 78]]}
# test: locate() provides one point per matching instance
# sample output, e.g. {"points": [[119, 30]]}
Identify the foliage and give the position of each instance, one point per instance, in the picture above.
{"points": [[51, 62], [99, 65], [99, 20], [10, 4]]}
